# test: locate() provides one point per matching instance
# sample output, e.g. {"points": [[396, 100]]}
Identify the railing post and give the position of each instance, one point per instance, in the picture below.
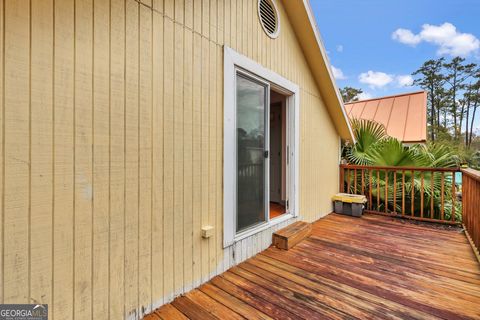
{"points": [[470, 205], [412, 202], [342, 179], [442, 197], [370, 173], [378, 190], [432, 211], [453, 197], [354, 181], [394, 191], [403, 193], [422, 190], [348, 180], [386, 191]]}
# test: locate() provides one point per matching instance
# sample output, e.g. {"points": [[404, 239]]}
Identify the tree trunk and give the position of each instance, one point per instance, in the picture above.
{"points": [[454, 110], [432, 115], [466, 122], [460, 120], [473, 120], [438, 116], [473, 115]]}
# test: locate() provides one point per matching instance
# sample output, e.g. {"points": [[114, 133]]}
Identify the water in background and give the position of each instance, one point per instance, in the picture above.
{"points": [[458, 178]]}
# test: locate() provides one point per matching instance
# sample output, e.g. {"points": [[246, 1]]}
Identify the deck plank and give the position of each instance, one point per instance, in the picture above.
{"points": [[409, 285], [237, 305], [214, 307], [406, 253], [169, 312], [256, 301], [409, 298], [401, 239], [392, 308], [368, 268], [302, 294], [370, 262], [294, 302], [191, 309]]}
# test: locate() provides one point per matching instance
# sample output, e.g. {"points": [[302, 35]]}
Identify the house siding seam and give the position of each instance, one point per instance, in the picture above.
{"points": [[112, 148]]}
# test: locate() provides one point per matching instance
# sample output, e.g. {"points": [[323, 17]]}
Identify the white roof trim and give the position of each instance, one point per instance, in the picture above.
{"points": [[318, 37]]}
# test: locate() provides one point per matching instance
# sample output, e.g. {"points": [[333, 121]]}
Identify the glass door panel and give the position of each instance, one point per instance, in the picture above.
{"points": [[252, 106]]}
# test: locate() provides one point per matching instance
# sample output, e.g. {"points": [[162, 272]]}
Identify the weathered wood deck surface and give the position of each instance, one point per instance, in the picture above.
{"points": [[373, 267]]}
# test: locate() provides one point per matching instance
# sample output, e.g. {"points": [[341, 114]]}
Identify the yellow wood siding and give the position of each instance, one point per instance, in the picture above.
{"points": [[112, 148], [16, 166], [117, 176], [61, 306]]}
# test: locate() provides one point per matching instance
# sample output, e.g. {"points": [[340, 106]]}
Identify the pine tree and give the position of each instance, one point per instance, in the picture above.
{"points": [[430, 78], [350, 94], [457, 74], [473, 97]]}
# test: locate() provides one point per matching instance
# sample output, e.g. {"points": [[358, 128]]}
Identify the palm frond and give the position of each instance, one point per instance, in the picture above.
{"points": [[391, 152], [367, 133]]}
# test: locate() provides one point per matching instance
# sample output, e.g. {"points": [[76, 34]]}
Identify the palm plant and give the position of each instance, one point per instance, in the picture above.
{"points": [[367, 135], [391, 152], [374, 147]]}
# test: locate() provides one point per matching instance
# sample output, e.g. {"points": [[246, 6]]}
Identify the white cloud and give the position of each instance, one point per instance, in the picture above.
{"points": [[404, 80], [339, 48], [446, 36], [375, 79], [449, 40], [365, 96], [338, 73], [406, 36]]}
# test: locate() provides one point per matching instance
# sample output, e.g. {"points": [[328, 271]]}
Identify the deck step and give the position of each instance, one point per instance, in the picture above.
{"points": [[288, 237]]}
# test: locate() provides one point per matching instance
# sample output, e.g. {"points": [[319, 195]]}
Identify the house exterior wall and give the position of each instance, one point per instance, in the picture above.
{"points": [[112, 114]]}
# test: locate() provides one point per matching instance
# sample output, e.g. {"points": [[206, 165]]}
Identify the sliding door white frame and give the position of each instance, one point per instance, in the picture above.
{"points": [[236, 63]]}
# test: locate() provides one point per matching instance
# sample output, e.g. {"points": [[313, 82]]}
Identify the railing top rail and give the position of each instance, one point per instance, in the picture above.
{"points": [[393, 168], [474, 174]]}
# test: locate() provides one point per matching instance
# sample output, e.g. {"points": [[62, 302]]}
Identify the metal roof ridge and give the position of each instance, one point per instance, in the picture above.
{"points": [[406, 118], [389, 96], [391, 112]]}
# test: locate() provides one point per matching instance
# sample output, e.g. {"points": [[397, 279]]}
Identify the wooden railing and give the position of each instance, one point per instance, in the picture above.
{"points": [[426, 194], [471, 206]]}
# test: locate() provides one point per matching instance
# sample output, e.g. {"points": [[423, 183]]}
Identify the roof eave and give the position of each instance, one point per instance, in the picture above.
{"points": [[308, 35], [389, 96]]}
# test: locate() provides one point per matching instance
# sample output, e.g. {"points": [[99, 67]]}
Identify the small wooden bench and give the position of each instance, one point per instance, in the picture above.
{"points": [[288, 237]]}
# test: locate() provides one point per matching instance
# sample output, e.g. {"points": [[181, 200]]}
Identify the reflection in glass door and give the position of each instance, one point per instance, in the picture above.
{"points": [[252, 107]]}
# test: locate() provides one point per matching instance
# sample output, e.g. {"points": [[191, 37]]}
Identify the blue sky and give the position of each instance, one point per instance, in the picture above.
{"points": [[364, 42]]}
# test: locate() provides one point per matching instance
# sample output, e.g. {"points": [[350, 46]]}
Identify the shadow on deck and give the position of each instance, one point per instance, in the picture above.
{"points": [[373, 267]]}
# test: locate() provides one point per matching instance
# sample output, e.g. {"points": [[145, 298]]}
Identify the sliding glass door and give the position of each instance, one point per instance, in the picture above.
{"points": [[252, 103]]}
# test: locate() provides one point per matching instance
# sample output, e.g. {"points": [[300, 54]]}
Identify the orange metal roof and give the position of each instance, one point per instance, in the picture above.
{"points": [[404, 115]]}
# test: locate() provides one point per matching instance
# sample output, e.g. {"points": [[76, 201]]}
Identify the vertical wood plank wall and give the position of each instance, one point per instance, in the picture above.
{"points": [[112, 124]]}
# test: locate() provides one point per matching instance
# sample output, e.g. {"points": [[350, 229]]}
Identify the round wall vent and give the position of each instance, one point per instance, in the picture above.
{"points": [[269, 18]]}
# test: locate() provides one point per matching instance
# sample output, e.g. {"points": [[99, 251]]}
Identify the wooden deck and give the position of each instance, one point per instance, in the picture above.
{"points": [[373, 267]]}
